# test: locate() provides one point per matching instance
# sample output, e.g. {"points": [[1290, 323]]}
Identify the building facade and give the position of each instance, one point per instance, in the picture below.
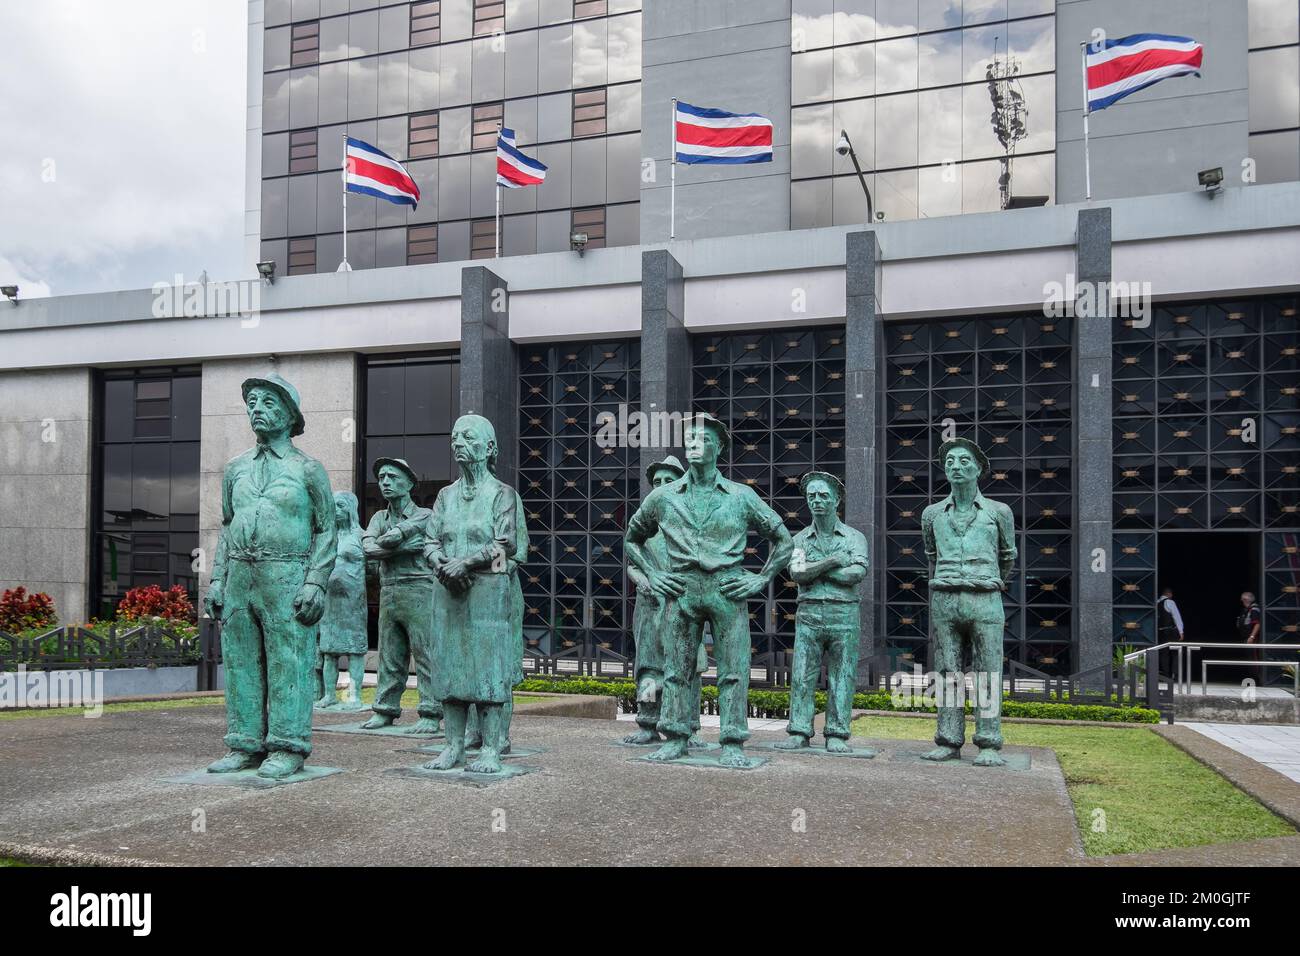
{"points": [[1150, 442]]}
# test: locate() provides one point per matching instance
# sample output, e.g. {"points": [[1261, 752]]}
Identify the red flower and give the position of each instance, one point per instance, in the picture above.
{"points": [[20, 611]]}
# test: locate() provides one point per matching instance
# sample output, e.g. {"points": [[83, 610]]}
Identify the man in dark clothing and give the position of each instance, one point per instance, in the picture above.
{"points": [[1249, 630], [1169, 628]]}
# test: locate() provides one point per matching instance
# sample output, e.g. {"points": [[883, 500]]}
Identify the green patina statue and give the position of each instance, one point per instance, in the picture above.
{"points": [[396, 539], [343, 627], [474, 545], [649, 631], [705, 520], [970, 544], [273, 561], [828, 564]]}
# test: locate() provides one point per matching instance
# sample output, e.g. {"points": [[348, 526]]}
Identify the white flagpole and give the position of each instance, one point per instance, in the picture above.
{"points": [[1087, 160], [672, 188], [343, 266], [497, 242]]}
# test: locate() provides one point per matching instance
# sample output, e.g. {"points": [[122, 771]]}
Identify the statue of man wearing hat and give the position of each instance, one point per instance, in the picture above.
{"points": [[274, 557], [829, 562], [970, 544], [395, 538], [649, 630], [705, 520]]}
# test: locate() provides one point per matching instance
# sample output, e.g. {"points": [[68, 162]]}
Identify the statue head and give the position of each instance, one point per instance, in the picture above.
{"points": [[664, 472], [396, 478], [473, 439], [822, 491], [345, 510], [273, 407], [963, 462], [705, 439]]}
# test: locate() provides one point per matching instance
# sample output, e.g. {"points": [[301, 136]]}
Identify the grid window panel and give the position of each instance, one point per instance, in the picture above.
{"points": [[422, 135], [421, 244], [482, 238], [489, 17], [305, 44], [487, 121], [589, 113], [426, 23], [302, 151], [1003, 381], [302, 255], [591, 222], [589, 8]]}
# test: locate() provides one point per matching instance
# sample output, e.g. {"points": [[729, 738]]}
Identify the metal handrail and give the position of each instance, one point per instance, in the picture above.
{"points": [[1205, 664], [1183, 678]]}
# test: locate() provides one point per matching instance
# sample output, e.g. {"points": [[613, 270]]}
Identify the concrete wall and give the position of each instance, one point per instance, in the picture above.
{"points": [[253, 143], [45, 458], [328, 387], [1158, 139], [725, 54]]}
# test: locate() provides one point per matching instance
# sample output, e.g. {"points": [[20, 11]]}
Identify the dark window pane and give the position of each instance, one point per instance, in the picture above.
{"points": [[186, 407], [119, 410], [385, 390]]}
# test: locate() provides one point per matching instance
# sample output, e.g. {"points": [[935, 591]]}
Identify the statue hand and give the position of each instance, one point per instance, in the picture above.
{"points": [[667, 583], [455, 569], [744, 585], [390, 539], [309, 604], [213, 601]]}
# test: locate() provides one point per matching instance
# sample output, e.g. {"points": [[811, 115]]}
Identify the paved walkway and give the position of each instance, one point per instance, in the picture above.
{"points": [[1273, 745]]}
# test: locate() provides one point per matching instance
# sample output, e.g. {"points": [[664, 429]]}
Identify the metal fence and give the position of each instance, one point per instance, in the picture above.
{"points": [[64, 648]]}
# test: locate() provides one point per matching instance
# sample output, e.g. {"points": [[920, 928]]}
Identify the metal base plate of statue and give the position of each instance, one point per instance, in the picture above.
{"points": [[342, 707], [816, 750], [514, 753], [461, 776], [714, 760], [249, 779], [696, 745], [391, 730], [966, 758]]}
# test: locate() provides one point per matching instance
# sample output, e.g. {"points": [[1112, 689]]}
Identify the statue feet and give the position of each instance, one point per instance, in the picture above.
{"points": [[989, 757], [793, 742], [281, 764], [643, 735], [235, 761], [696, 742], [505, 747], [835, 745], [673, 749], [733, 756], [326, 702], [942, 752], [376, 721], [487, 762], [427, 726], [473, 742], [449, 759]]}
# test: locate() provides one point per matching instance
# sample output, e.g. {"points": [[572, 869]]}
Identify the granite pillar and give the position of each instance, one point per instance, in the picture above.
{"points": [[665, 348], [489, 366], [863, 396], [1093, 450]]}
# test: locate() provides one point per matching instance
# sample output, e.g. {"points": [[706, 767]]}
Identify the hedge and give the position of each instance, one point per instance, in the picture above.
{"points": [[776, 703]]}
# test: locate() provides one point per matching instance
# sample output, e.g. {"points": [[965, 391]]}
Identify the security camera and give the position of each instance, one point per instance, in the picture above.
{"points": [[843, 146]]}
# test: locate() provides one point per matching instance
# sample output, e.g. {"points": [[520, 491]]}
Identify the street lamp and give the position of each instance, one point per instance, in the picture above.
{"points": [[845, 148]]}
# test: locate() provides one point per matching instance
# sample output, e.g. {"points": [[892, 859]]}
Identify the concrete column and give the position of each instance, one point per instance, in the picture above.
{"points": [[863, 506], [1093, 452], [489, 366], [45, 464], [665, 346], [327, 385]]}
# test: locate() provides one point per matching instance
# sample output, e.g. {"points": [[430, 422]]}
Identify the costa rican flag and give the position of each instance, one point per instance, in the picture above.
{"points": [[373, 172], [705, 135], [514, 169], [1116, 68]]}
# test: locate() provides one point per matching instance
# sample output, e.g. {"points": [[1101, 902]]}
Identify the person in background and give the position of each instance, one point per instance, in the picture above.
{"points": [[1169, 628], [1249, 629]]}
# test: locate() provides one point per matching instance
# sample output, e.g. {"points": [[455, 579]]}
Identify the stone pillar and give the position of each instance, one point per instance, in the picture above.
{"points": [[489, 367], [327, 385], [1093, 451], [45, 464], [665, 347], [863, 384]]}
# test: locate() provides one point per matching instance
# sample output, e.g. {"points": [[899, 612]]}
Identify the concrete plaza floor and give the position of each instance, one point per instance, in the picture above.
{"points": [[1273, 745], [96, 787]]}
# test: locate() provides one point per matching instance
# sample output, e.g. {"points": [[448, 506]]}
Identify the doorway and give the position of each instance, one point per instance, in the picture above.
{"points": [[1208, 571]]}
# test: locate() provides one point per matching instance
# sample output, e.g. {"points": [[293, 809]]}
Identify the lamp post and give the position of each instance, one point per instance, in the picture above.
{"points": [[845, 148]]}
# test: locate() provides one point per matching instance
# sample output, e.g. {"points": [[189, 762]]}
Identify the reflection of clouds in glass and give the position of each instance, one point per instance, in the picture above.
{"points": [[985, 11], [937, 14], [1034, 43], [980, 187], [858, 119], [895, 17], [811, 76], [896, 131], [809, 29], [940, 128], [896, 65], [589, 39], [811, 141], [978, 46], [853, 27], [939, 58], [855, 71], [625, 48]]}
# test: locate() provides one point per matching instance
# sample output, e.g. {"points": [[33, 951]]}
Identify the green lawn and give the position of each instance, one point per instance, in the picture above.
{"points": [[1151, 794], [116, 708]]}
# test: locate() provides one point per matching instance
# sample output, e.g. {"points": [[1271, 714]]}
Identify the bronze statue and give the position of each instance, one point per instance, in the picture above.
{"points": [[343, 626]]}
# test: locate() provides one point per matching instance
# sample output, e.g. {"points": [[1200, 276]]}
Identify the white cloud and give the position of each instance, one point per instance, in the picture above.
{"points": [[124, 154]]}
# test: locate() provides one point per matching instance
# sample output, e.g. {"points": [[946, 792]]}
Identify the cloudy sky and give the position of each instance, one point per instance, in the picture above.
{"points": [[123, 123]]}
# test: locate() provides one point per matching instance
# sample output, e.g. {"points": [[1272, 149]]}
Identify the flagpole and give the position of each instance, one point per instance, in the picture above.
{"points": [[1087, 161], [497, 242], [672, 189], [343, 266]]}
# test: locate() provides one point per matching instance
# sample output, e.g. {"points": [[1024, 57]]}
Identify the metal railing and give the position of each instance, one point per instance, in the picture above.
{"points": [[72, 647], [1182, 679]]}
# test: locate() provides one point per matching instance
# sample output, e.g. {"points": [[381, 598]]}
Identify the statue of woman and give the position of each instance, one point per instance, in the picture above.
{"points": [[343, 626], [474, 543]]}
